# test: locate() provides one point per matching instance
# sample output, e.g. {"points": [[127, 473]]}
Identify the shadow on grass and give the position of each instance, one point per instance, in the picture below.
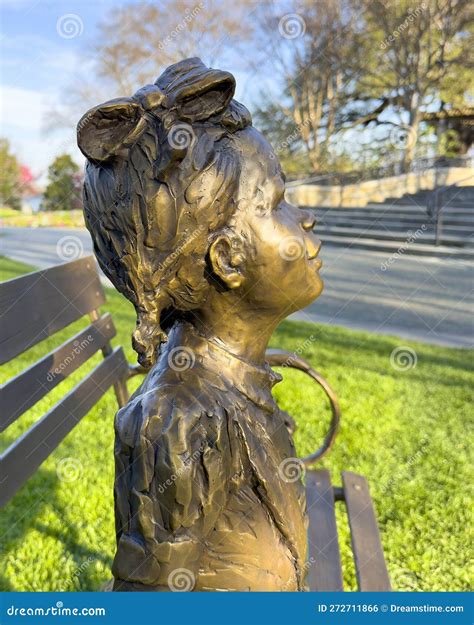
{"points": [[83, 557], [308, 338], [39, 493]]}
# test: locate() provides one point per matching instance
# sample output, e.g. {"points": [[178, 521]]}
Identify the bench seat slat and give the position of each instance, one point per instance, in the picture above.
{"points": [[35, 306], [27, 388], [24, 456], [325, 573], [371, 570]]}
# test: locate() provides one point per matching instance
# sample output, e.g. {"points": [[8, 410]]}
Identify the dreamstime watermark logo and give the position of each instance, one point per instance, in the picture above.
{"points": [[292, 248], [412, 15], [292, 583], [69, 26], [55, 610], [406, 469], [403, 579], [181, 358], [186, 466], [182, 25], [403, 358], [402, 137], [84, 121], [293, 136], [69, 248], [302, 347], [68, 583], [291, 469], [412, 237], [77, 347], [181, 136], [181, 580], [180, 248], [291, 26], [69, 469]]}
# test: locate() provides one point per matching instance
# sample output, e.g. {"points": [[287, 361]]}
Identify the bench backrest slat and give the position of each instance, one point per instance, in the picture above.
{"points": [[24, 456], [22, 392], [325, 572], [371, 570], [39, 304]]}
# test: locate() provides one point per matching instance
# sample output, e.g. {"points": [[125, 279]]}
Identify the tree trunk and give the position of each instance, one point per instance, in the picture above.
{"points": [[412, 131]]}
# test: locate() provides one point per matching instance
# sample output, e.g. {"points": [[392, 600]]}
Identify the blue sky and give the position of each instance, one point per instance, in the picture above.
{"points": [[37, 62], [43, 44], [44, 50]]}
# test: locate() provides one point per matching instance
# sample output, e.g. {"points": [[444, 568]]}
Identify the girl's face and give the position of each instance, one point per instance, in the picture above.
{"points": [[281, 267]]}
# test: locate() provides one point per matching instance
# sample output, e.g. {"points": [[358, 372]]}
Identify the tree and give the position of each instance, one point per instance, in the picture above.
{"points": [[412, 58], [356, 64], [138, 40], [308, 44], [10, 182], [64, 188]]}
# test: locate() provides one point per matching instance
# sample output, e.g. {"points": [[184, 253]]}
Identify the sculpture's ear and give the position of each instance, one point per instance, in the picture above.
{"points": [[226, 262], [108, 128]]}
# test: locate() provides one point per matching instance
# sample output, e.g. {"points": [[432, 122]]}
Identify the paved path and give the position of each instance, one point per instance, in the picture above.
{"points": [[427, 299]]}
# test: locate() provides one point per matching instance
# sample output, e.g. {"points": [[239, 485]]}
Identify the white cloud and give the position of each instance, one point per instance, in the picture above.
{"points": [[33, 60], [22, 108], [23, 117]]}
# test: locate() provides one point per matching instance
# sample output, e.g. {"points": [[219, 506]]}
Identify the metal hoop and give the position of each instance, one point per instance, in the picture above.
{"points": [[282, 358]]}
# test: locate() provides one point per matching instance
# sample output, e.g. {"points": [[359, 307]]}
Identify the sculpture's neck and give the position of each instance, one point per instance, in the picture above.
{"points": [[187, 348], [246, 335]]}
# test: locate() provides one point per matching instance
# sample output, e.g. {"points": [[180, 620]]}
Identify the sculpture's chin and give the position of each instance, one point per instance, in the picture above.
{"points": [[314, 290]]}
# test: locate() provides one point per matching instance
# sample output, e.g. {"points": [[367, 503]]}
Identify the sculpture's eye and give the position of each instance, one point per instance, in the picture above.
{"points": [[280, 198]]}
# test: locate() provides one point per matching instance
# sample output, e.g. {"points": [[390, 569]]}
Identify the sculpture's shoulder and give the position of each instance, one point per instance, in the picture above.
{"points": [[171, 403]]}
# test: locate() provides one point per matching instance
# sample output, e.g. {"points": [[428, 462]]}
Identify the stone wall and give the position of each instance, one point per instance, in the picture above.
{"points": [[362, 193]]}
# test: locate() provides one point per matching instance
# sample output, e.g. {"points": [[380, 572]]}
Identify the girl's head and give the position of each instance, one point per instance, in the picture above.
{"points": [[182, 198]]}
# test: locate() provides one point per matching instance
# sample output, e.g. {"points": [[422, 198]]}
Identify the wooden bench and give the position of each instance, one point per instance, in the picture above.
{"points": [[36, 306], [324, 561]]}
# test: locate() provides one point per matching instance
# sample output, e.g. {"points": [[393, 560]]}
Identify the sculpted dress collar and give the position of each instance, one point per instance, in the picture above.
{"points": [[186, 347]]}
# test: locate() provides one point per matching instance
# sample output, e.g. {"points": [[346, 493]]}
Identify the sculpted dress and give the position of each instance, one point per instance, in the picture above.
{"points": [[198, 487]]}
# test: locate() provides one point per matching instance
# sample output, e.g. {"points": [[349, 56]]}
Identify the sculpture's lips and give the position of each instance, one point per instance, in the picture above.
{"points": [[312, 248]]}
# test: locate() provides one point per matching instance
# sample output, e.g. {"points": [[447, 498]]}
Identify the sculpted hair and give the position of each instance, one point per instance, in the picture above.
{"points": [[161, 178]]}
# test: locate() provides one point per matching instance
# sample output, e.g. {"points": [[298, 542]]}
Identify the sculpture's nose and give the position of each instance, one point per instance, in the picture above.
{"points": [[308, 220]]}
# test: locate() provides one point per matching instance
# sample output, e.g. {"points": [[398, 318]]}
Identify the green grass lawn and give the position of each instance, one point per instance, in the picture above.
{"points": [[406, 431], [49, 219]]}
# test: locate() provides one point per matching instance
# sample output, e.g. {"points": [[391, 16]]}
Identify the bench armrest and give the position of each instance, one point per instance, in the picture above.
{"points": [[282, 358]]}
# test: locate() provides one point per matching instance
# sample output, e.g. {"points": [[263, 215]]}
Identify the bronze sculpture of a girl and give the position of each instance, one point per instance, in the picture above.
{"points": [[184, 200]]}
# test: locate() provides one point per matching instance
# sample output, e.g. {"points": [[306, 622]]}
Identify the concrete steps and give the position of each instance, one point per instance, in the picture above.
{"points": [[422, 201], [400, 237], [395, 227], [415, 209], [395, 212], [458, 197], [395, 248], [390, 225]]}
